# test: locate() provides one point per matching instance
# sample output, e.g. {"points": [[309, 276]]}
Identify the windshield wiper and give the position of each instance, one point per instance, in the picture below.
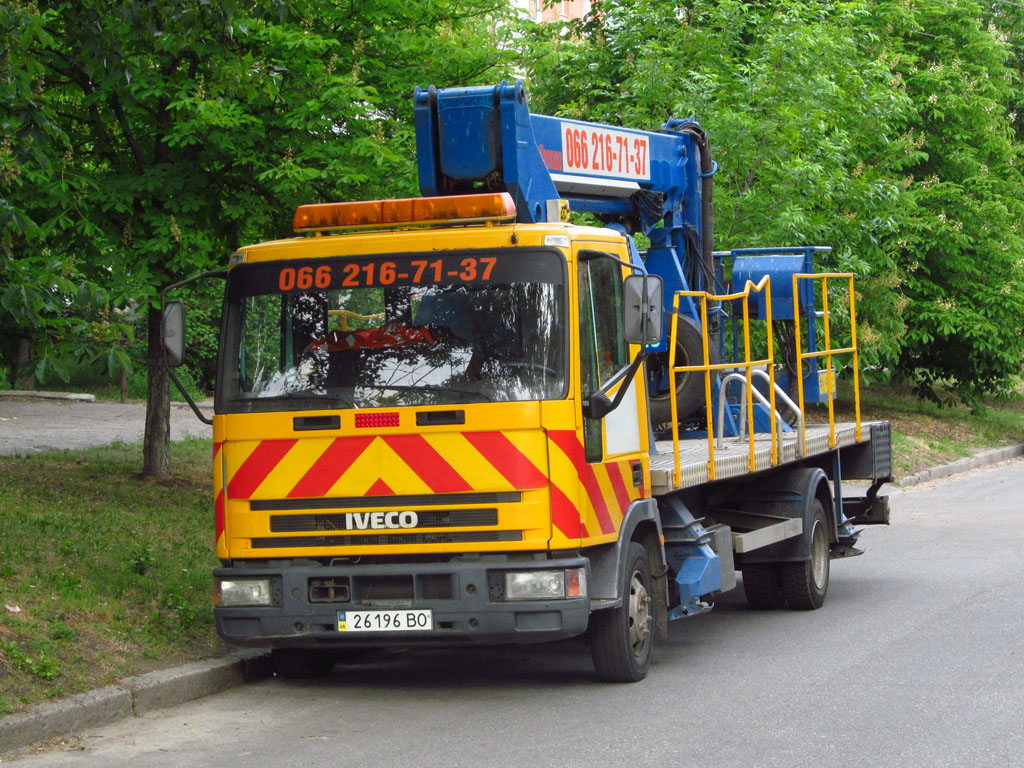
{"points": [[300, 397], [428, 388]]}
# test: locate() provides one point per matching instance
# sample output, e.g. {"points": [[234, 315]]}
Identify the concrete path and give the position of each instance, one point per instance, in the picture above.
{"points": [[30, 426]]}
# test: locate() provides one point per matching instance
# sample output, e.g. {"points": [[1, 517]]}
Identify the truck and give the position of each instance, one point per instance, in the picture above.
{"points": [[462, 419]]}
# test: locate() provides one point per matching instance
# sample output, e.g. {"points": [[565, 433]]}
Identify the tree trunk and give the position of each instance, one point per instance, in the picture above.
{"points": [[21, 376], [156, 449]]}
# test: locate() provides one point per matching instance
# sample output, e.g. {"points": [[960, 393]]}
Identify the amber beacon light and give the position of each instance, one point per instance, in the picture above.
{"points": [[411, 210]]}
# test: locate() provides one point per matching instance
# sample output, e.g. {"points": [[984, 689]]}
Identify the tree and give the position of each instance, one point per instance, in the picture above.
{"points": [[802, 116], [884, 129], [164, 135], [961, 249]]}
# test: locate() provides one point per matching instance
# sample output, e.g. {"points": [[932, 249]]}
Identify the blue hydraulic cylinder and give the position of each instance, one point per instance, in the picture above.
{"points": [[688, 552]]}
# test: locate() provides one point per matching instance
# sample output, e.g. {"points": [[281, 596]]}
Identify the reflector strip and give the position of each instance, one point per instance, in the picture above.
{"points": [[364, 420], [507, 459], [616, 473], [569, 443], [564, 514], [218, 515], [331, 465], [257, 466], [380, 488], [427, 463]]}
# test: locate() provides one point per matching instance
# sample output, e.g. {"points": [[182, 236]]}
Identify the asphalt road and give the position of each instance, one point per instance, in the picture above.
{"points": [[917, 659], [34, 426]]}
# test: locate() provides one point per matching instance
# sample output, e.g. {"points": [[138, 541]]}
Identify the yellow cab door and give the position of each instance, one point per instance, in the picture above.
{"points": [[616, 447]]}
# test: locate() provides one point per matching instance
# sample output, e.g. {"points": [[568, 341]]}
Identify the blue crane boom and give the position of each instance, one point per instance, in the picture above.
{"points": [[658, 183]]}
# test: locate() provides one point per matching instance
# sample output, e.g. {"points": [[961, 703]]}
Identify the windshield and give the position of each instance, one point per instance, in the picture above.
{"points": [[369, 332]]}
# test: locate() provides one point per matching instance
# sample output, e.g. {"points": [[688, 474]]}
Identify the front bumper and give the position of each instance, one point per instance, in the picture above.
{"points": [[462, 595]]}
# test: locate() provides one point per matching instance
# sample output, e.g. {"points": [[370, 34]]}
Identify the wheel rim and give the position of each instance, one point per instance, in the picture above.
{"points": [[819, 555], [639, 614]]}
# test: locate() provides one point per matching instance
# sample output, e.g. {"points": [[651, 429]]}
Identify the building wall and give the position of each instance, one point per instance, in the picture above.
{"points": [[561, 10]]}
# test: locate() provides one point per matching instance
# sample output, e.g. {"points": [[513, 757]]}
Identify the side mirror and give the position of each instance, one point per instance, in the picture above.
{"points": [[643, 313], [598, 405], [174, 333]]}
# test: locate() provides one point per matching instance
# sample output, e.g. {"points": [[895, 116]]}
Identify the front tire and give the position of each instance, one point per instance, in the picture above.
{"points": [[621, 638], [806, 583]]}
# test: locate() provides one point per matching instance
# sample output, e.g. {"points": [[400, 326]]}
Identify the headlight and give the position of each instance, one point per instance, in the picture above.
{"points": [[238, 592], [545, 585]]}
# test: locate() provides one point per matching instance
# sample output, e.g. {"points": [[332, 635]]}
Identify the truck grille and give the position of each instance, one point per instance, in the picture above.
{"points": [[448, 518], [332, 589], [384, 587], [338, 589], [385, 539]]}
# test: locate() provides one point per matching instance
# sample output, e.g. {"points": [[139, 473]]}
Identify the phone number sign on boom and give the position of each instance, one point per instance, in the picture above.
{"points": [[604, 152]]}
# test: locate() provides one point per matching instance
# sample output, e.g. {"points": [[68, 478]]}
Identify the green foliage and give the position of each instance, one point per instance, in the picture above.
{"points": [[41, 665], [152, 139], [48, 308], [961, 249], [883, 129]]}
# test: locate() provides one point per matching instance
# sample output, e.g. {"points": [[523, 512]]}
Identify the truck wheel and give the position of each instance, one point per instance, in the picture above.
{"points": [[621, 638], [302, 663], [805, 584], [690, 385], [762, 584]]}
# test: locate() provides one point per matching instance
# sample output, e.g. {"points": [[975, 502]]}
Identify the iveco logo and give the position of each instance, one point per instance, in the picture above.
{"points": [[360, 521]]}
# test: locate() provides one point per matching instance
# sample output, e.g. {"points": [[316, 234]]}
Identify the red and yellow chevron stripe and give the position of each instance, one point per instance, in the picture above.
{"points": [[597, 495], [587, 501], [367, 465]]}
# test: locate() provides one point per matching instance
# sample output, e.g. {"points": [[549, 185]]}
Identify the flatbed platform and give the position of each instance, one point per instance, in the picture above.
{"points": [[732, 457]]}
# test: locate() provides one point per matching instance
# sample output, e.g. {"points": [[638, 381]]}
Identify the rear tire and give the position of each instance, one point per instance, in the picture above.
{"points": [[302, 663], [762, 584], [621, 638], [806, 583]]}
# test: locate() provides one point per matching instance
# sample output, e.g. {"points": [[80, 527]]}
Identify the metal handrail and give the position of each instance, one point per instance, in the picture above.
{"points": [[764, 284], [828, 352], [779, 392]]}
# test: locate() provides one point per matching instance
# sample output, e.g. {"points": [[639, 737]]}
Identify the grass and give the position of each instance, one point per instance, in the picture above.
{"points": [[102, 574], [926, 434]]}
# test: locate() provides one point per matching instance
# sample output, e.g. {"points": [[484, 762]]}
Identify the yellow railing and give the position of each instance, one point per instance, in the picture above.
{"points": [[347, 315], [828, 351], [763, 285]]}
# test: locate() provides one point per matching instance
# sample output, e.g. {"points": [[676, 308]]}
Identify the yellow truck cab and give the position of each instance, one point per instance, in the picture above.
{"points": [[399, 435]]}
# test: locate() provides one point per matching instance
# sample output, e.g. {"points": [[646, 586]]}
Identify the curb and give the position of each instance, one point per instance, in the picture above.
{"points": [[133, 696], [983, 459], [30, 393]]}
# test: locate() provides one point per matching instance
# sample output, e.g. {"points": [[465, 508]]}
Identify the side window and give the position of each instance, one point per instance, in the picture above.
{"points": [[603, 351]]}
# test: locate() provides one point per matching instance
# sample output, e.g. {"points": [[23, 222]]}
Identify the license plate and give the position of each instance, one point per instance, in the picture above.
{"points": [[385, 621]]}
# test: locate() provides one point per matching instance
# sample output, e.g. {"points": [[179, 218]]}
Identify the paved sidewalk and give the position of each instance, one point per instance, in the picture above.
{"points": [[30, 426]]}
